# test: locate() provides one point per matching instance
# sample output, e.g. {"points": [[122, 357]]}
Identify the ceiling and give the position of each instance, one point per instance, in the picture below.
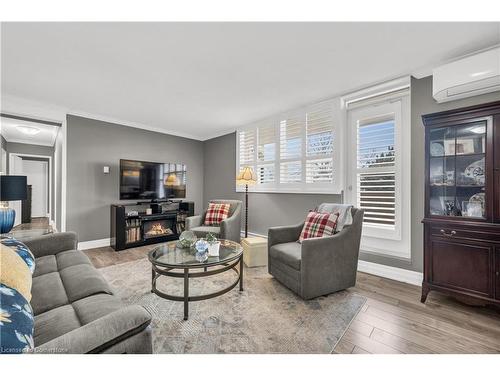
{"points": [[46, 135], [201, 80]]}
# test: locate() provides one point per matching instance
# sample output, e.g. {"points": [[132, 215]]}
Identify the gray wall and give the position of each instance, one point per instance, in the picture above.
{"points": [[268, 210], [92, 144], [23, 148]]}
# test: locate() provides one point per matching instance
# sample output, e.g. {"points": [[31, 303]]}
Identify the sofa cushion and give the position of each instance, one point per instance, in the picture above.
{"points": [[46, 264], [83, 280], [22, 250], [54, 323], [203, 230], [71, 258], [319, 225], [96, 306], [344, 211], [288, 253], [15, 273], [216, 212], [48, 293], [16, 322]]}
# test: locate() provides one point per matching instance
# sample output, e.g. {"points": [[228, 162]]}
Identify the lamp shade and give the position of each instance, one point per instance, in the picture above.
{"points": [[13, 188], [246, 177], [171, 180]]}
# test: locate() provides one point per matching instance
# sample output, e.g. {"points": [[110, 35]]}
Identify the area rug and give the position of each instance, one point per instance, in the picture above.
{"points": [[265, 318]]}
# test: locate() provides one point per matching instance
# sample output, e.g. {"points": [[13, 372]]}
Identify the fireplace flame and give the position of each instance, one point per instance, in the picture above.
{"points": [[158, 229]]}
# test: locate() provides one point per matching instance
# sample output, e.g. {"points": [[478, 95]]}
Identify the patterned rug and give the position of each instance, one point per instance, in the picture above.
{"points": [[265, 318]]}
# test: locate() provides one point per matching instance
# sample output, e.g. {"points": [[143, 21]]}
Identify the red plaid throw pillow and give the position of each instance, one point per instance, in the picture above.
{"points": [[319, 225], [216, 213]]}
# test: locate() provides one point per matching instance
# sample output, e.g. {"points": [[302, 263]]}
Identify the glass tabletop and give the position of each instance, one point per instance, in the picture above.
{"points": [[24, 234], [170, 255]]}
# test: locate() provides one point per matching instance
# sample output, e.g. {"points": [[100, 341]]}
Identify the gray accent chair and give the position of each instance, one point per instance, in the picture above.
{"points": [[229, 229], [75, 309], [318, 266]]}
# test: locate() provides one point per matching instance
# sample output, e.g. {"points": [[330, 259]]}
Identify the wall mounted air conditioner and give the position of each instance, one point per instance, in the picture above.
{"points": [[473, 75]]}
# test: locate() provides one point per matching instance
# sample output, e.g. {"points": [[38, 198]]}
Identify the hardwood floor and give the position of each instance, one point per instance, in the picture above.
{"points": [[36, 223], [393, 320]]}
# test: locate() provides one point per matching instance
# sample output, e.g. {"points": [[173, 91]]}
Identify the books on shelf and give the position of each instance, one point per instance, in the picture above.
{"points": [[133, 230], [181, 221]]}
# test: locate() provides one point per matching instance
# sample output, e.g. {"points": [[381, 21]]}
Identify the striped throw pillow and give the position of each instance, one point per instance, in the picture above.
{"points": [[216, 213], [319, 225]]}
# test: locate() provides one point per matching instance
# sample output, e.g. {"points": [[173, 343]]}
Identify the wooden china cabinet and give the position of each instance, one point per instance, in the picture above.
{"points": [[462, 204]]}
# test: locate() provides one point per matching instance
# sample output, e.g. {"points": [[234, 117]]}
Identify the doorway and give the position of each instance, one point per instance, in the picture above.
{"points": [[38, 170]]}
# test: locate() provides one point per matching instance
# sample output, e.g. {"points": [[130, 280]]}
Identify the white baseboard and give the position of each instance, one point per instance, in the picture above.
{"points": [[93, 244], [393, 273]]}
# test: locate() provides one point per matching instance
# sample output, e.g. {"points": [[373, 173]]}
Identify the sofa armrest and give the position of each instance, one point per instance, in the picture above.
{"points": [[284, 234], [230, 228], [100, 334], [193, 221], [51, 244]]}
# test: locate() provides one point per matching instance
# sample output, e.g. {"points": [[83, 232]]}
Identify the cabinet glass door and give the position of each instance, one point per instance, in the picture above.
{"points": [[457, 170]]}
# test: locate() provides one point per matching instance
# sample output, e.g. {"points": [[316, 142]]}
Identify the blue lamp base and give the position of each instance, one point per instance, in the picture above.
{"points": [[7, 218]]}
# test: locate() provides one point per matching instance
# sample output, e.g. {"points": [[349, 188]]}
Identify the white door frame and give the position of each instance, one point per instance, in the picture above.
{"points": [[51, 171]]}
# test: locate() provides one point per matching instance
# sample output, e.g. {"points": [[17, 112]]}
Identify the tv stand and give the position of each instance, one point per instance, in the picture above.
{"points": [[132, 227]]}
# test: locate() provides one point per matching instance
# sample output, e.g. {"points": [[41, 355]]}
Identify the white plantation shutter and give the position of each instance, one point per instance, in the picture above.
{"points": [[319, 143], [294, 151], [379, 165], [246, 147], [376, 175], [291, 134], [291, 139], [266, 153]]}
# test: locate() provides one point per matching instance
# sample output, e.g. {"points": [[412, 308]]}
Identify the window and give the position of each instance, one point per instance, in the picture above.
{"points": [[296, 151], [266, 157], [379, 170], [319, 133], [376, 172]]}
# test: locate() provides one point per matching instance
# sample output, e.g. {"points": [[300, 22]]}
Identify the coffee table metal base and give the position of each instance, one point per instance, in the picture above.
{"points": [[186, 275]]}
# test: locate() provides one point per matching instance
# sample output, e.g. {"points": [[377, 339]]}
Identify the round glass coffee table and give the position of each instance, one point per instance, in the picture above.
{"points": [[172, 261]]}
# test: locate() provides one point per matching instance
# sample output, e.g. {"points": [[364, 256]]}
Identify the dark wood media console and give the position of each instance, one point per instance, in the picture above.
{"points": [[132, 227]]}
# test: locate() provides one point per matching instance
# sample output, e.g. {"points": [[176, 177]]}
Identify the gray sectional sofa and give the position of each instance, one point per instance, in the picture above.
{"points": [[75, 309]]}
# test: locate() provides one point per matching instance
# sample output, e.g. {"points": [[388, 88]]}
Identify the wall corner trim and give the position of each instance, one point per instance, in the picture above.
{"points": [[393, 273], [93, 244]]}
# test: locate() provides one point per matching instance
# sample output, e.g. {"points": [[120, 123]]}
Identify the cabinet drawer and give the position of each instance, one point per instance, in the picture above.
{"points": [[461, 233], [462, 266]]}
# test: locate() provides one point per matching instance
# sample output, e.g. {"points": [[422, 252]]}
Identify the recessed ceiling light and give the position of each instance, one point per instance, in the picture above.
{"points": [[28, 130]]}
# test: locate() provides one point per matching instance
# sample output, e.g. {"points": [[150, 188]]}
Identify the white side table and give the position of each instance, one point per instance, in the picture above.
{"points": [[254, 251]]}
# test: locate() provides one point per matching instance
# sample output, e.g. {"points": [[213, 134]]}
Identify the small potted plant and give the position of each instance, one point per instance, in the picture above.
{"points": [[213, 245]]}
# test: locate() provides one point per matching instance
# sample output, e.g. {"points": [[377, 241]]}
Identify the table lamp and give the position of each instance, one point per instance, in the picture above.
{"points": [[171, 180], [12, 188], [246, 177]]}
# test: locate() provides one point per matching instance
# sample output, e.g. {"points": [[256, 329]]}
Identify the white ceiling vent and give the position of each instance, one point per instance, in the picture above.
{"points": [[470, 76]]}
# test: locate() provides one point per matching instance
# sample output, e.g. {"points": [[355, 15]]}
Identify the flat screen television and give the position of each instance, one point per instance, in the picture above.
{"points": [[149, 180]]}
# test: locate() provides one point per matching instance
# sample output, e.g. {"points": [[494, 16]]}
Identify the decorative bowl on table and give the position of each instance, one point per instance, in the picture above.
{"points": [[187, 239], [201, 247]]}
